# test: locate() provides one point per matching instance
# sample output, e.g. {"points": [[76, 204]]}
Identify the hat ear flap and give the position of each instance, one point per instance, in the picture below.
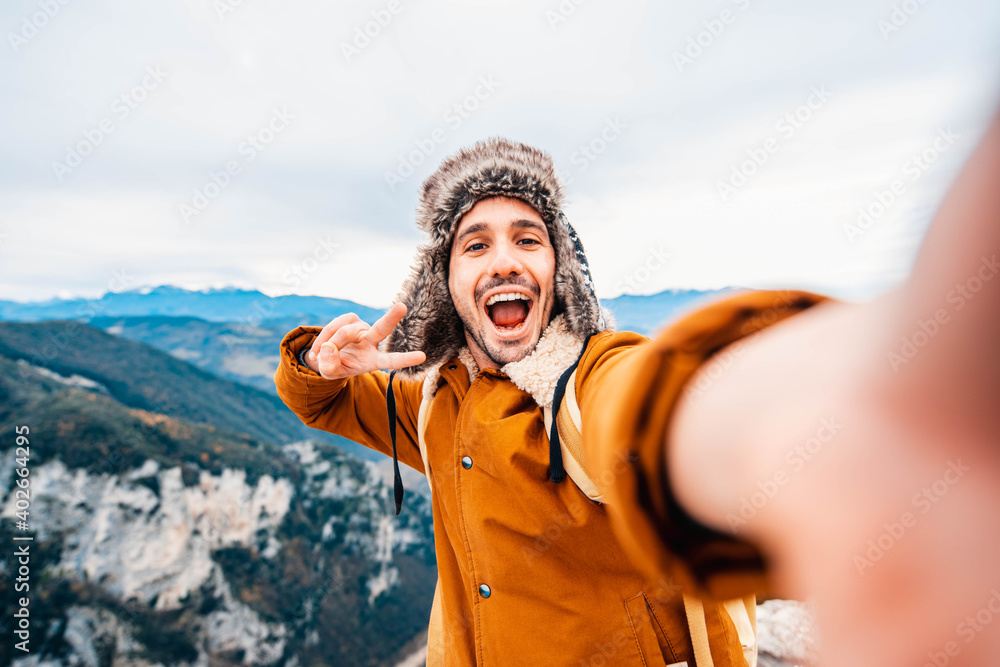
{"points": [[431, 323], [573, 284]]}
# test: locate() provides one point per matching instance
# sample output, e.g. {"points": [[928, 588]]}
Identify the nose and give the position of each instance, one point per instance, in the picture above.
{"points": [[504, 260]]}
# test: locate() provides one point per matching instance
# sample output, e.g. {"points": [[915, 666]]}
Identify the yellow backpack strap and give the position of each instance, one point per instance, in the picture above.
{"points": [[695, 611], [568, 427], [422, 414], [557, 469], [435, 629], [742, 611]]}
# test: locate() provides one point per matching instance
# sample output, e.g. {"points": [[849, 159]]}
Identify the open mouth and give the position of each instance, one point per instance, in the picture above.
{"points": [[508, 311]]}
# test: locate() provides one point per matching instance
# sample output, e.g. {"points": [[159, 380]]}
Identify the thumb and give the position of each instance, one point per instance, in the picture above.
{"points": [[328, 360]]}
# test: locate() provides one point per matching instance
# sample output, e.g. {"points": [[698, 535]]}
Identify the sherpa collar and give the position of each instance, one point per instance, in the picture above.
{"points": [[543, 374], [536, 374]]}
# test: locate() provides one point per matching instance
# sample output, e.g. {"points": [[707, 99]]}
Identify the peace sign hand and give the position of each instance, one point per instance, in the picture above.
{"points": [[347, 346]]}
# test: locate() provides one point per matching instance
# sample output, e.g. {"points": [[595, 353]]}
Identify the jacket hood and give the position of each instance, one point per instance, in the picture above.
{"points": [[496, 167]]}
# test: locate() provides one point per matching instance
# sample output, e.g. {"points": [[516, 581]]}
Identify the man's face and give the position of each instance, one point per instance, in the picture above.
{"points": [[501, 278]]}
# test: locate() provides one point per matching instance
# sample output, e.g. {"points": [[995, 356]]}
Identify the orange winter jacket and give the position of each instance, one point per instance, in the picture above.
{"points": [[532, 572]]}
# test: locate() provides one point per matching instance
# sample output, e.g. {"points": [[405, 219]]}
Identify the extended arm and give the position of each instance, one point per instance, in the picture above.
{"points": [[859, 446]]}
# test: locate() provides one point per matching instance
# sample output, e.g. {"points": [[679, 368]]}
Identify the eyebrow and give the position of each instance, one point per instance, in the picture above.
{"points": [[472, 229], [478, 227], [531, 224]]}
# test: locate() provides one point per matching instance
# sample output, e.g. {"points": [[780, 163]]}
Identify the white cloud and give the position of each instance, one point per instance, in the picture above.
{"points": [[655, 185]]}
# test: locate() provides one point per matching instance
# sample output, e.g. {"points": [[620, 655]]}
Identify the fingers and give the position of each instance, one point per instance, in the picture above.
{"points": [[394, 360], [348, 334], [386, 323], [328, 360], [348, 329], [332, 327]]}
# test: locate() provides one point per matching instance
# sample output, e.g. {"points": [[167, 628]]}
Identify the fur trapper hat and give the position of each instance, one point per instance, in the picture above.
{"points": [[496, 167]]}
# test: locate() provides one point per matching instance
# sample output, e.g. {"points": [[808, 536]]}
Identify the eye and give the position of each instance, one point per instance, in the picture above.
{"points": [[475, 247], [531, 241]]}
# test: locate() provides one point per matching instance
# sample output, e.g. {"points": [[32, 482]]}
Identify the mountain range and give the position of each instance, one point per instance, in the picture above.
{"points": [[235, 333], [215, 305]]}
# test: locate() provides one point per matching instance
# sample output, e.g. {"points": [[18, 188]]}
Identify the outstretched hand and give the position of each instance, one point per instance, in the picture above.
{"points": [[348, 346]]}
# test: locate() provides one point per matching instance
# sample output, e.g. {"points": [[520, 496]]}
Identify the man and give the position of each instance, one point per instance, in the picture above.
{"points": [[500, 306]]}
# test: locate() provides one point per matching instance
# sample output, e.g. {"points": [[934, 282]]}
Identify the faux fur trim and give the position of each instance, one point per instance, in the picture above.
{"points": [[465, 356], [496, 167], [430, 386], [536, 374], [487, 169]]}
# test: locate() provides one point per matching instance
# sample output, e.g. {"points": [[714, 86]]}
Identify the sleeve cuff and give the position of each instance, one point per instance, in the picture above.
{"points": [[302, 356], [659, 535]]}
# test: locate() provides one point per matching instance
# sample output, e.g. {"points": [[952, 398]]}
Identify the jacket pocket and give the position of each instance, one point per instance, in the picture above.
{"points": [[655, 643]]}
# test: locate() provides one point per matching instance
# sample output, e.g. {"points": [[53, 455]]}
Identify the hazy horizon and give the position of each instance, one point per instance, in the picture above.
{"points": [[146, 289]]}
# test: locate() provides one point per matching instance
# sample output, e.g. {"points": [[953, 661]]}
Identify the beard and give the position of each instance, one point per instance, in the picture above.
{"points": [[501, 352]]}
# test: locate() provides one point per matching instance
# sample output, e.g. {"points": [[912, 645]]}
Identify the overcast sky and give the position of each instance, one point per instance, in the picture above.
{"points": [[276, 146]]}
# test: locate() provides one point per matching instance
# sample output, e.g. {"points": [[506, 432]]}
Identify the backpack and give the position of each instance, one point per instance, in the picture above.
{"points": [[566, 452]]}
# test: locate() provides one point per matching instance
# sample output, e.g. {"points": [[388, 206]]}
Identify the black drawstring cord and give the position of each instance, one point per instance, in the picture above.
{"points": [[397, 480], [556, 469]]}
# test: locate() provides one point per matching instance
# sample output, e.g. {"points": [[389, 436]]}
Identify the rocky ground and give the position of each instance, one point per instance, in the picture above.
{"points": [[786, 634]]}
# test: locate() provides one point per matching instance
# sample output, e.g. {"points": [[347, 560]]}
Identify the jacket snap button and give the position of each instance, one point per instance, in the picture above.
{"points": [[484, 590], [467, 463], [452, 367]]}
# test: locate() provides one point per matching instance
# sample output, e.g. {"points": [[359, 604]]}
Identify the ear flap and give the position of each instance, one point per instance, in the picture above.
{"points": [[573, 285], [431, 323]]}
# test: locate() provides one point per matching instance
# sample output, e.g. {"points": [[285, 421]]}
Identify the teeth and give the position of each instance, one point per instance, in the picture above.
{"points": [[508, 296]]}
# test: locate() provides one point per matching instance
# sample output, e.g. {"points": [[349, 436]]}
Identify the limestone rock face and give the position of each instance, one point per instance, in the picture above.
{"points": [[157, 566], [152, 548]]}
